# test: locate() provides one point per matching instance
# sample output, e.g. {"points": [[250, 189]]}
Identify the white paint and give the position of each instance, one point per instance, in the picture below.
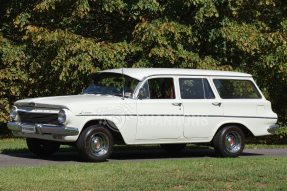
{"points": [[131, 116]]}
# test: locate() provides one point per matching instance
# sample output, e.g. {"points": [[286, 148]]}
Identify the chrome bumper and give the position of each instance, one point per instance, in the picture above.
{"points": [[44, 129], [273, 128]]}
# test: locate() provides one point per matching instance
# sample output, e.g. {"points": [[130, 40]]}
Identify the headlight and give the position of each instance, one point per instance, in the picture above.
{"points": [[62, 116], [13, 113]]}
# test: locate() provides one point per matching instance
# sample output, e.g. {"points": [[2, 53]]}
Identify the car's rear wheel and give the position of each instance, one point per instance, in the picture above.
{"points": [[229, 141], [95, 144], [173, 147], [42, 147]]}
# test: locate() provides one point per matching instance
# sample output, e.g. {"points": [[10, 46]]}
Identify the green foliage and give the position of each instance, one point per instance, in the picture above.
{"points": [[5, 132], [48, 47], [279, 137]]}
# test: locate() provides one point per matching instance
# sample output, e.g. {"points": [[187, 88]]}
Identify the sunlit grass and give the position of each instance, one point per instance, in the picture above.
{"points": [[207, 174]]}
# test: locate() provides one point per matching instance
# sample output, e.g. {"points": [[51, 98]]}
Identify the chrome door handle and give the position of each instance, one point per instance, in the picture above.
{"points": [[216, 104], [176, 104]]}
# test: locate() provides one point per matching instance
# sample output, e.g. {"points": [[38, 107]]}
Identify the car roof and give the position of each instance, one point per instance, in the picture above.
{"points": [[141, 73]]}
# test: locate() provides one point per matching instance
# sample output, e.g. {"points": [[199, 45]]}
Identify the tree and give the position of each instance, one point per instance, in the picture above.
{"points": [[48, 47]]}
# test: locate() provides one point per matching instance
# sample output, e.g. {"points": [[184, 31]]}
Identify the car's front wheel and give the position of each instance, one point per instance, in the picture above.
{"points": [[173, 147], [95, 144], [229, 141], [42, 147]]}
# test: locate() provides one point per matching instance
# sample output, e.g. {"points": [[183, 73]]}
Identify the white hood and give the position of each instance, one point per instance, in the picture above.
{"points": [[70, 101]]}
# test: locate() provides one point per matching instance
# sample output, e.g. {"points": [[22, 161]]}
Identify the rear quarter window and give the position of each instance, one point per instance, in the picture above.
{"points": [[236, 89]]}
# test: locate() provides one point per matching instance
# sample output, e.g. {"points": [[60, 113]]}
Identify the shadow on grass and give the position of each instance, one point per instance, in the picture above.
{"points": [[26, 150], [121, 153], [65, 148]]}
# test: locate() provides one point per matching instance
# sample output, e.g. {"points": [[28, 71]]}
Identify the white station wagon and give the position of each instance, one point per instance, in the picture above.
{"points": [[170, 107]]}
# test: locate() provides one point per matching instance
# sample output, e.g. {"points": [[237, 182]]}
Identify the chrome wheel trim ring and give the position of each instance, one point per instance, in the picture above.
{"points": [[99, 144], [233, 141]]}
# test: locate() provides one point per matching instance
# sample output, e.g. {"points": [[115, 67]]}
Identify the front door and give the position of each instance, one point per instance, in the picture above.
{"points": [[160, 113]]}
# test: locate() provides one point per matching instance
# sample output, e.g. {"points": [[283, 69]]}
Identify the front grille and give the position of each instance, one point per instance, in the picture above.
{"points": [[44, 118]]}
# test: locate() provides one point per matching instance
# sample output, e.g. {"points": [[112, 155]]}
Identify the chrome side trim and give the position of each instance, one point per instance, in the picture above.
{"points": [[204, 116], [252, 117], [43, 128], [176, 115], [131, 115], [273, 128], [230, 116], [171, 115], [107, 115]]}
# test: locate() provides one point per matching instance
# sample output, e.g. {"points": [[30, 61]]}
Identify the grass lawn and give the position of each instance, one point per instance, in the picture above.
{"points": [[204, 174], [209, 174], [17, 145]]}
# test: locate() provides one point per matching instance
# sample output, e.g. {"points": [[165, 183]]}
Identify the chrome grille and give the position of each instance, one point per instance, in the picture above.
{"points": [[43, 118]]}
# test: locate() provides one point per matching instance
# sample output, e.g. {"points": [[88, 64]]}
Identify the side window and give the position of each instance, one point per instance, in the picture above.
{"points": [[236, 89], [195, 88], [158, 88]]}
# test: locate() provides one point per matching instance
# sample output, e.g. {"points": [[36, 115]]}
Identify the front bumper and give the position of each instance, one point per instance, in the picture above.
{"points": [[43, 128], [273, 128]]}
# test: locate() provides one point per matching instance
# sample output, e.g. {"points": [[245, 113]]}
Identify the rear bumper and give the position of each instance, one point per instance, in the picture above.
{"points": [[273, 128], [44, 129]]}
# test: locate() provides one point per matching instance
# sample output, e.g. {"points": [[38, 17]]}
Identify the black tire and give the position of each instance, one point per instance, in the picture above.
{"points": [[42, 147], [95, 144], [173, 147], [229, 141]]}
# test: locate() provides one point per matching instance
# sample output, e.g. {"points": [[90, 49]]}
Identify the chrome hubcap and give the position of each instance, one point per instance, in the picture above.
{"points": [[233, 141], [99, 144]]}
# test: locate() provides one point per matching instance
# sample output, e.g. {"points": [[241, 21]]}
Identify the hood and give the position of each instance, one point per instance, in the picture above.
{"points": [[68, 101]]}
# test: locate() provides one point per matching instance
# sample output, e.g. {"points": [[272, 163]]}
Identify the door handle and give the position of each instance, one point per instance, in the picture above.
{"points": [[216, 104], [176, 104]]}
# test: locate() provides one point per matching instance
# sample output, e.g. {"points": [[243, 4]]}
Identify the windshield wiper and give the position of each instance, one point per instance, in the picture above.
{"points": [[94, 93]]}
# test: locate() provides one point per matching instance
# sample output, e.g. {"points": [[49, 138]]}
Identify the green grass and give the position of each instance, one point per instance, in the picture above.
{"points": [[205, 174], [18, 145]]}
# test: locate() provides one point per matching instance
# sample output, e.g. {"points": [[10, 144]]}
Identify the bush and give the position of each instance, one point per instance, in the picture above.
{"points": [[47, 48], [5, 132], [278, 138]]}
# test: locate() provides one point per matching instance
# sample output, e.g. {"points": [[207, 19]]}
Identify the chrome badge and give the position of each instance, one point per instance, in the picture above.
{"points": [[32, 104]]}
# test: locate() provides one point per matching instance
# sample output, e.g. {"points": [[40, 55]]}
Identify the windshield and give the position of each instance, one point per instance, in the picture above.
{"points": [[112, 84]]}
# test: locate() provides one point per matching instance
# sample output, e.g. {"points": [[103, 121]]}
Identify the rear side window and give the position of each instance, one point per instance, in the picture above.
{"points": [[236, 89], [195, 88]]}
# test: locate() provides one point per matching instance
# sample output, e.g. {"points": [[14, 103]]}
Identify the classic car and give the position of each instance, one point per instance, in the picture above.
{"points": [[135, 106]]}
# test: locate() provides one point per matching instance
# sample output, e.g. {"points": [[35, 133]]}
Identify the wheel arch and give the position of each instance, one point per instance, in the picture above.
{"points": [[245, 130], [118, 138]]}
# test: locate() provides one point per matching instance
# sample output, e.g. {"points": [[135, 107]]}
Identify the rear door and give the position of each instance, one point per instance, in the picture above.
{"points": [[202, 107]]}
